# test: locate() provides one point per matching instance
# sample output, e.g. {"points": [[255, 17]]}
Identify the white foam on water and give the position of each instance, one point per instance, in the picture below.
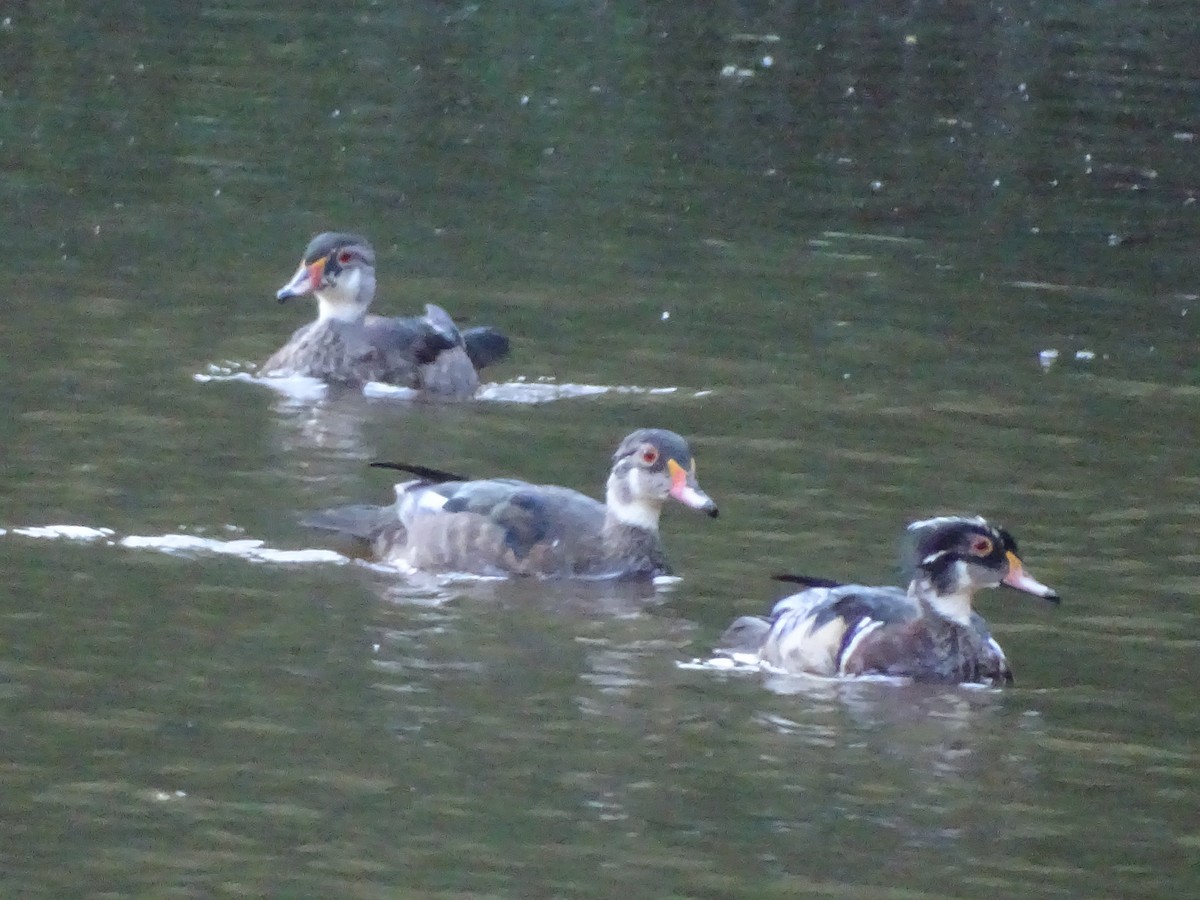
{"points": [[63, 532], [381, 391], [303, 389], [547, 390], [300, 388], [247, 548]]}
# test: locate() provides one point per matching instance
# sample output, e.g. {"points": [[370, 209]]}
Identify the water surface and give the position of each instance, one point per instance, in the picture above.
{"points": [[865, 224]]}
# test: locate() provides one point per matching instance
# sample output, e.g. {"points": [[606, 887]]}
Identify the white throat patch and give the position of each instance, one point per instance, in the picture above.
{"points": [[956, 605], [640, 511], [340, 301]]}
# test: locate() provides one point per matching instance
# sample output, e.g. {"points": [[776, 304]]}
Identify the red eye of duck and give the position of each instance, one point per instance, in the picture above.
{"points": [[982, 546], [345, 256], [649, 455]]}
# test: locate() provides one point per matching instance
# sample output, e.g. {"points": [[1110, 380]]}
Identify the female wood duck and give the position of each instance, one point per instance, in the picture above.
{"points": [[346, 344], [927, 633], [500, 526]]}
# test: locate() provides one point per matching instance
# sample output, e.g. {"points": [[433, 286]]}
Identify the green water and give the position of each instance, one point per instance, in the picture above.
{"points": [[863, 246]]}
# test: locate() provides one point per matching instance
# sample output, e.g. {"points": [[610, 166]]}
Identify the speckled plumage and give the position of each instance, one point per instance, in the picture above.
{"points": [[927, 633], [346, 344], [509, 527]]}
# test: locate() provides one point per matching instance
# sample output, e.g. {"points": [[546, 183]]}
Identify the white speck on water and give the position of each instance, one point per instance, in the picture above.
{"points": [[996, 183], [666, 314], [1035, 230], [217, 192], [1047, 358], [1184, 136], [728, 70], [768, 61], [7, 23], [67, 532], [845, 376], [96, 229], [1085, 355], [335, 114], [1114, 240], [524, 99], [877, 185], [548, 151]]}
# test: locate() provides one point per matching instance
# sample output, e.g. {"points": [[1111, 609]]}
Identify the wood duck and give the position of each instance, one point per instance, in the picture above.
{"points": [[504, 527], [346, 344], [927, 633]]}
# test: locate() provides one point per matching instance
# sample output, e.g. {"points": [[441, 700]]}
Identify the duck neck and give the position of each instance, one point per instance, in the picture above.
{"points": [[948, 601], [627, 507], [348, 299]]}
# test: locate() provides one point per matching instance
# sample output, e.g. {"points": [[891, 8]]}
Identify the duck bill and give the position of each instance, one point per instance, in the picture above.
{"points": [[1021, 580], [306, 280], [686, 489]]}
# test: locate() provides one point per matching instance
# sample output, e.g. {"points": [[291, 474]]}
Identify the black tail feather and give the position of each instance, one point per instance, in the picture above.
{"points": [[808, 581], [426, 472]]}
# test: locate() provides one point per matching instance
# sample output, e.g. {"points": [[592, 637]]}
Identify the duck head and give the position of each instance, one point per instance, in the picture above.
{"points": [[339, 269], [956, 556], [650, 466]]}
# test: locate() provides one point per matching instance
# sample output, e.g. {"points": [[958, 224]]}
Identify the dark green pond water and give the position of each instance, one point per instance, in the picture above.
{"points": [[866, 223]]}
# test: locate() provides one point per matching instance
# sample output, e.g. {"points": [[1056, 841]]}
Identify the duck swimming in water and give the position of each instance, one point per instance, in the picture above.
{"points": [[346, 344], [501, 526], [928, 633]]}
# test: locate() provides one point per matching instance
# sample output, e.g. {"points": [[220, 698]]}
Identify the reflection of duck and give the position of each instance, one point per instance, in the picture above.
{"points": [[929, 633], [345, 344], [501, 526]]}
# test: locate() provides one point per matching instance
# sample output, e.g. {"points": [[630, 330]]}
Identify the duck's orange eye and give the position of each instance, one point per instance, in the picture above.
{"points": [[649, 456], [982, 546], [345, 256]]}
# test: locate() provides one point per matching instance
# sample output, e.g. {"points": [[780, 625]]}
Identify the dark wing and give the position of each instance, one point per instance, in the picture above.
{"points": [[809, 630], [854, 602], [485, 346], [407, 342], [502, 526]]}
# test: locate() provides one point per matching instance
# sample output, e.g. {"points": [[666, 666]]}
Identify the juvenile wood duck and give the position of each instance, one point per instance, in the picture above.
{"points": [[346, 344], [927, 633], [501, 526]]}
